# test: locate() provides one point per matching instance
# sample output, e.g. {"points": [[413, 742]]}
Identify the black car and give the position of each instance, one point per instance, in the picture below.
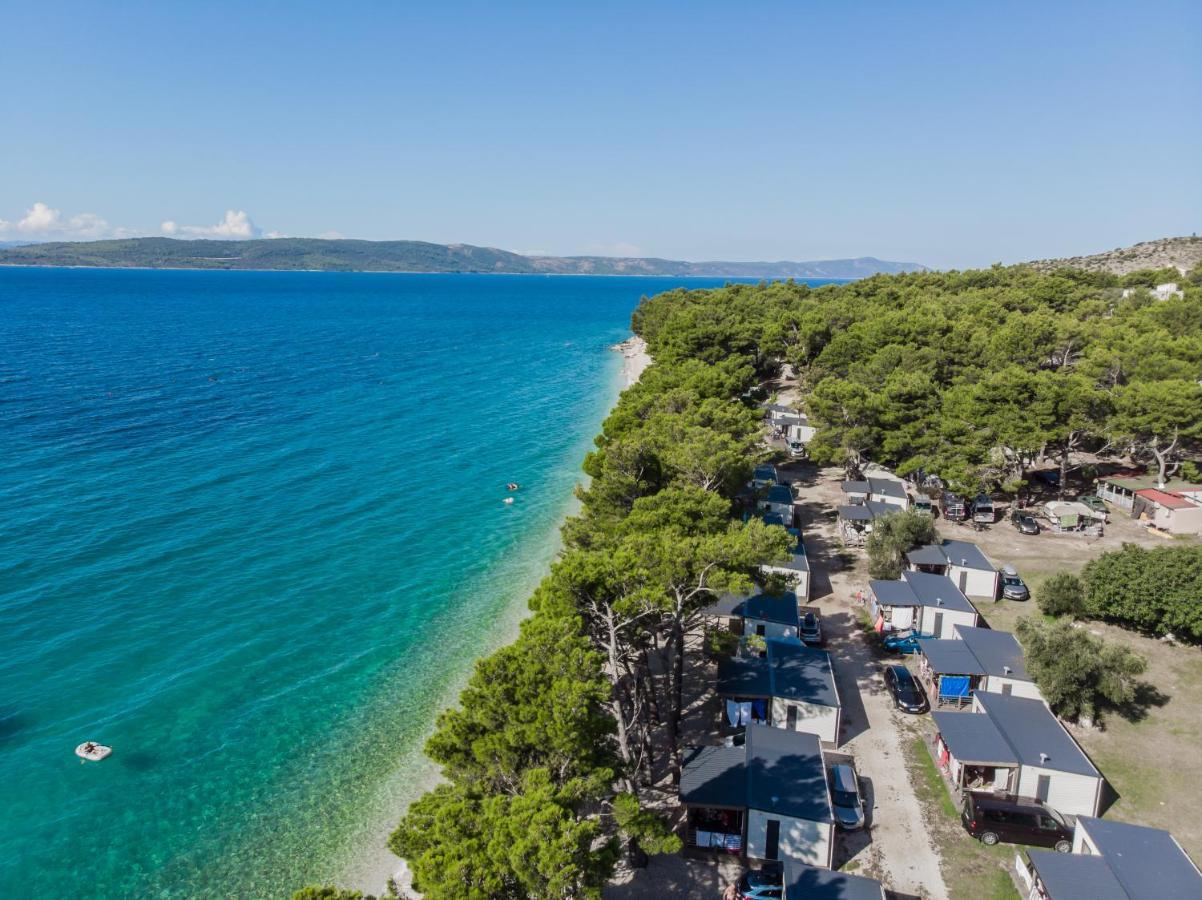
{"points": [[1024, 522], [1015, 820], [907, 693], [810, 631]]}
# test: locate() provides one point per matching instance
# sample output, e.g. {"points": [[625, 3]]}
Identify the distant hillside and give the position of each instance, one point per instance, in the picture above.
{"points": [[407, 256], [1180, 252]]}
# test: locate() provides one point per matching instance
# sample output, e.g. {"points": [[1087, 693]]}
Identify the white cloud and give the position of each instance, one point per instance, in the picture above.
{"points": [[236, 225], [42, 222]]}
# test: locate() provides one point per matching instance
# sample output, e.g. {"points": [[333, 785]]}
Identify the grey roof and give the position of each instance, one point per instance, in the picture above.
{"points": [[1147, 862], [947, 656], [1030, 729], [786, 773], [714, 776], [797, 556], [888, 487], [964, 554], [921, 589], [765, 470], [809, 883], [1069, 876], [974, 739], [773, 519], [727, 605], [995, 651], [778, 608], [937, 590], [855, 487], [744, 677], [855, 513], [780, 493], [791, 671]]}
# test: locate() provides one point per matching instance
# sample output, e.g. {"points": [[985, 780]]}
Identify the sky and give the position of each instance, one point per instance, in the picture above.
{"points": [[950, 134]]}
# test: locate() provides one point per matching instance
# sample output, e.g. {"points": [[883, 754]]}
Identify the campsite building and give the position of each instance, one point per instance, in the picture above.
{"points": [[1015, 746], [974, 659], [962, 562], [811, 883], [792, 686], [778, 501], [931, 605], [796, 570], [1110, 861], [878, 490], [768, 615], [856, 519], [768, 799]]}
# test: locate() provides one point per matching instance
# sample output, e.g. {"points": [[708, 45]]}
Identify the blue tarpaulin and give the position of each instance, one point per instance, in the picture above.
{"points": [[954, 686]]}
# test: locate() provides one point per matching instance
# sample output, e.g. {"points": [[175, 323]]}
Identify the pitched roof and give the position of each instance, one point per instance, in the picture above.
{"points": [[797, 561], [1140, 482], [974, 739], [1147, 862], [810, 883], [779, 493], [786, 773], [1035, 735], [727, 605], [1166, 499], [888, 487], [855, 513], [714, 776], [998, 652], [854, 487], [765, 470], [964, 554], [1069, 876], [921, 589], [948, 656], [791, 671], [778, 608]]}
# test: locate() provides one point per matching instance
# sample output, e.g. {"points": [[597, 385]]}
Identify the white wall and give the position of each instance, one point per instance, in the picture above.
{"points": [[771, 629], [901, 617], [1069, 793], [892, 501], [994, 684], [800, 839], [798, 581], [975, 582], [822, 721], [951, 618]]}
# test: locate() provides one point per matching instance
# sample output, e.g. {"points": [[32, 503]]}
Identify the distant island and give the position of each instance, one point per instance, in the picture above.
{"points": [[314, 254]]}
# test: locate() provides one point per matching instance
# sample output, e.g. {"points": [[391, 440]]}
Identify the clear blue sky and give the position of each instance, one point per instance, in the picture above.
{"points": [[953, 134]]}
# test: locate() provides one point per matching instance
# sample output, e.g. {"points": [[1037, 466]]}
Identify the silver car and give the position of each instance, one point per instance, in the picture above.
{"points": [[846, 800]]}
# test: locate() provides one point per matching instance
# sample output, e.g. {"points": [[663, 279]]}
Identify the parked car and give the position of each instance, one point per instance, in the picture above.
{"points": [[1013, 587], [902, 642], [907, 693], [1024, 522], [953, 507], [924, 504], [1097, 504], [983, 511], [1015, 820], [760, 884], [810, 630], [847, 802]]}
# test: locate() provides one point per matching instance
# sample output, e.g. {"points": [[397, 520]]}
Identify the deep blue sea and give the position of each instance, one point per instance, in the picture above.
{"points": [[252, 536]]}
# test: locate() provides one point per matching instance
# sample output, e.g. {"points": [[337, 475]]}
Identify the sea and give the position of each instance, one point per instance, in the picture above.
{"points": [[253, 536]]}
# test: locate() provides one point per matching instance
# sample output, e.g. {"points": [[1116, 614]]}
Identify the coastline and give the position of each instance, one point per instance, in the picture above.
{"points": [[370, 868]]}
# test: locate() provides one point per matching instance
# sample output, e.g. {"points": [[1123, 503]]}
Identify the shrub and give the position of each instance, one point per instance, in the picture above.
{"points": [[1079, 674], [1062, 595], [1157, 591]]}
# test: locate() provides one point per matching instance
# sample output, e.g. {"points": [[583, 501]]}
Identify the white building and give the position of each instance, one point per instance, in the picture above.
{"points": [[793, 685], [974, 659], [796, 570], [962, 562], [929, 604]]}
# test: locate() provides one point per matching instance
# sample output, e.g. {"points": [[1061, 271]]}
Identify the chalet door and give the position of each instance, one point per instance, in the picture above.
{"points": [[938, 625], [761, 630], [963, 582], [791, 718], [1043, 787], [1007, 689], [772, 840]]}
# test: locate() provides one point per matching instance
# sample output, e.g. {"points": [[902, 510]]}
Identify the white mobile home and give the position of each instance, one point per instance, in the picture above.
{"points": [[974, 659], [1015, 746], [962, 562], [768, 798], [929, 604], [796, 570], [793, 685]]}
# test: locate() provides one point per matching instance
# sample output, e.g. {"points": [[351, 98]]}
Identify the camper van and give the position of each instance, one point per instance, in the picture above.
{"points": [[982, 510], [924, 504], [794, 438], [954, 508]]}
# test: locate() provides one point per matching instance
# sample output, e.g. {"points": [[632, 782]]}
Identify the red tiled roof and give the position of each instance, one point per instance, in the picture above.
{"points": [[1164, 498]]}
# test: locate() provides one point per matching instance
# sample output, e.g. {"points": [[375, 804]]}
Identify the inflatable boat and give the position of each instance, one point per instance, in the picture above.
{"points": [[90, 751]]}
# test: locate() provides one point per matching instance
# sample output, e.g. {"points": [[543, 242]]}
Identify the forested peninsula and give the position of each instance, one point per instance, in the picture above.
{"points": [[320, 255], [561, 756]]}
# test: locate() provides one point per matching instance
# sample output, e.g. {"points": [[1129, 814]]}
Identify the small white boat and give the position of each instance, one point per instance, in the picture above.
{"points": [[90, 751]]}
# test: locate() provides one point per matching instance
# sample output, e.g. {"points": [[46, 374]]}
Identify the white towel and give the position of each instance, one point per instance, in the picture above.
{"points": [[732, 713], [745, 713]]}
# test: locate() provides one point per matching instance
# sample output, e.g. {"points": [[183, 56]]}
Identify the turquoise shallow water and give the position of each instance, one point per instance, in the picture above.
{"points": [[251, 534]]}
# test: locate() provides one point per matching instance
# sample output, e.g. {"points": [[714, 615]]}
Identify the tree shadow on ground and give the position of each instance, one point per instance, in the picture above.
{"points": [[1147, 696]]}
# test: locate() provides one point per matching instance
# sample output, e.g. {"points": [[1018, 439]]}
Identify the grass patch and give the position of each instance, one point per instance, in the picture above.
{"points": [[971, 870]]}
